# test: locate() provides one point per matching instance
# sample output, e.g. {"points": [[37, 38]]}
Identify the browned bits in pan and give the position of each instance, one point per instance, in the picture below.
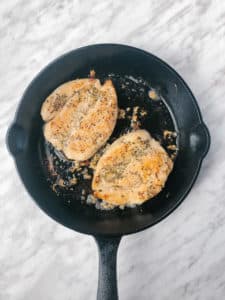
{"points": [[121, 114], [172, 147], [92, 74], [153, 94]]}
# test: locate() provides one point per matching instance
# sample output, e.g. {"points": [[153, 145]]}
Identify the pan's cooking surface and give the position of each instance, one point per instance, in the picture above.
{"points": [[72, 181]]}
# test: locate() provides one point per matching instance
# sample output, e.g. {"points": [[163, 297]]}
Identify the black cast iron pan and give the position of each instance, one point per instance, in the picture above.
{"points": [[178, 111]]}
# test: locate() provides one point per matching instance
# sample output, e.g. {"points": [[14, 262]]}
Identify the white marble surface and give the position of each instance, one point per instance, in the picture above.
{"points": [[183, 257]]}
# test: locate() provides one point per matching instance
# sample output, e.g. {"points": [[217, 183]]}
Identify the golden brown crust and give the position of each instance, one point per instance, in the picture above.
{"points": [[85, 121], [133, 169]]}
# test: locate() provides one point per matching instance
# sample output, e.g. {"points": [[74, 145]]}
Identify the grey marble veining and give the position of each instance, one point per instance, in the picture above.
{"points": [[183, 257]]}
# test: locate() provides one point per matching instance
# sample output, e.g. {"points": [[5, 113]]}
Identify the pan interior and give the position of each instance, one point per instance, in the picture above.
{"points": [[133, 100]]}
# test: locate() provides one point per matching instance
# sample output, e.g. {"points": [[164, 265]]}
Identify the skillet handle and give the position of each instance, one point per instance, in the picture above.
{"points": [[107, 279]]}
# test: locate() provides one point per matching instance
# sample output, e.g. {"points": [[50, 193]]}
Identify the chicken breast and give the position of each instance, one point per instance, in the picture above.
{"points": [[58, 98], [84, 121], [132, 170]]}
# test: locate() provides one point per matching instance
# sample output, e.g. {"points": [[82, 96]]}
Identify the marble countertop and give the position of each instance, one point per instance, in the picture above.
{"points": [[183, 257]]}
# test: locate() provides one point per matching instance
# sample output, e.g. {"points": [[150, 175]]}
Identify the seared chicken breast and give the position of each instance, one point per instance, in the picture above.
{"points": [[84, 120], [58, 98], [132, 170]]}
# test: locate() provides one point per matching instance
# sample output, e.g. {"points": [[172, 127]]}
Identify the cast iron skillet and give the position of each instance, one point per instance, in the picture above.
{"points": [[193, 141]]}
